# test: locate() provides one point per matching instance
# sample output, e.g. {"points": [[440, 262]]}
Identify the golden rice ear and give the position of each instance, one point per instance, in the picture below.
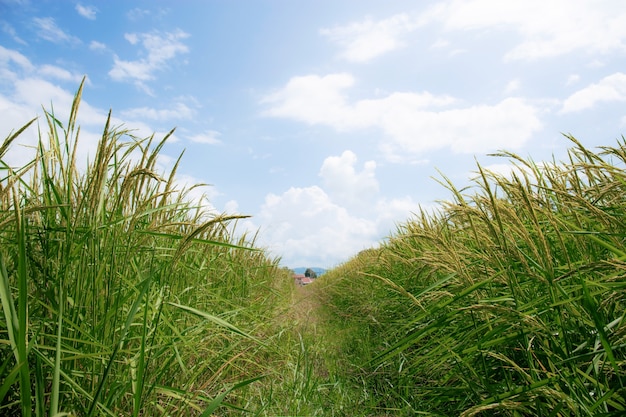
{"points": [[12, 136]]}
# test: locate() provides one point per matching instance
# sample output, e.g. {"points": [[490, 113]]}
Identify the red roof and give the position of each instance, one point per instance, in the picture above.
{"points": [[302, 279]]}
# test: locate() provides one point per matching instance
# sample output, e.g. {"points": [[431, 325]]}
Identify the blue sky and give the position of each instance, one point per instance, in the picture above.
{"points": [[325, 120]]}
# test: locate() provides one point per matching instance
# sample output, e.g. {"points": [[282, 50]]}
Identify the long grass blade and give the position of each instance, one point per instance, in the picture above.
{"points": [[216, 320], [143, 289]]}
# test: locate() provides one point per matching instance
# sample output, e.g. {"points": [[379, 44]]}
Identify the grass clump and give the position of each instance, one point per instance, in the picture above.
{"points": [[119, 295], [508, 301]]}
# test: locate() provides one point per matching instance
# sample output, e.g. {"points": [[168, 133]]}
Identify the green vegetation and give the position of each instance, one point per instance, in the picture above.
{"points": [[510, 301], [120, 296]]}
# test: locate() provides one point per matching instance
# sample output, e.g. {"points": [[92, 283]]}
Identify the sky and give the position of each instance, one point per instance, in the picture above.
{"points": [[328, 122]]}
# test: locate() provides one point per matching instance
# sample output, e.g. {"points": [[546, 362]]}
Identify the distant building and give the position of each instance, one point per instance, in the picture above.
{"points": [[301, 279]]}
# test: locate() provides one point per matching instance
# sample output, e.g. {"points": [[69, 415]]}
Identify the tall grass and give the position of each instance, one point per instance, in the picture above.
{"points": [[509, 301], [119, 295]]}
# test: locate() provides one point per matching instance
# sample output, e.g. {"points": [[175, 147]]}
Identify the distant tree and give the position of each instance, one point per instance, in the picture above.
{"points": [[309, 273]]}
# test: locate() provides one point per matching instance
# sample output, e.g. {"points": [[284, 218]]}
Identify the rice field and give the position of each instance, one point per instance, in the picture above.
{"points": [[119, 295], [122, 296], [510, 301]]}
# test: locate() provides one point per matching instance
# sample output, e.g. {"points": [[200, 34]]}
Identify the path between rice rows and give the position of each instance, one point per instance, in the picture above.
{"points": [[305, 309]]}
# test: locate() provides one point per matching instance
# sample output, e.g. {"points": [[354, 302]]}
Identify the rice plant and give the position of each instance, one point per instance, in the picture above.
{"points": [[120, 296], [509, 301]]}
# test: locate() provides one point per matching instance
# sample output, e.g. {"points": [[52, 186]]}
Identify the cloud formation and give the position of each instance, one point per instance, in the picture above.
{"points": [[88, 12], [28, 86], [346, 213], [345, 184], [28, 93], [209, 137], [178, 111], [610, 88], [547, 29], [10, 30], [368, 39], [414, 122], [305, 225], [47, 29], [55, 72], [9, 59], [308, 227], [160, 49], [97, 46]]}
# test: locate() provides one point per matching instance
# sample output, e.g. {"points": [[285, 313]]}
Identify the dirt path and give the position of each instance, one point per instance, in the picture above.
{"points": [[304, 310]]}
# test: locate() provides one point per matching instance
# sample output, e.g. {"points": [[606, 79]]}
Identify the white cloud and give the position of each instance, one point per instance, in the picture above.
{"points": [[596, 63], [412, 122], [48, 30], [307, 228], [210, 137], [88, 12], [97, 46], [610, 88], [318, 100], [179, 111], [52, 71], [474, 129], [513, 86], [28, 87], [548, 29], [160, 48], [323, 225], [134, 70], [231, 207], [365, 40], [35, 92], [389, 213], [12, 117], [8, 57], [29, 94], [572, 79], [440, 43], [132, 38], [10, 30], [312, 99], [347, 186], [138, 14]]}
